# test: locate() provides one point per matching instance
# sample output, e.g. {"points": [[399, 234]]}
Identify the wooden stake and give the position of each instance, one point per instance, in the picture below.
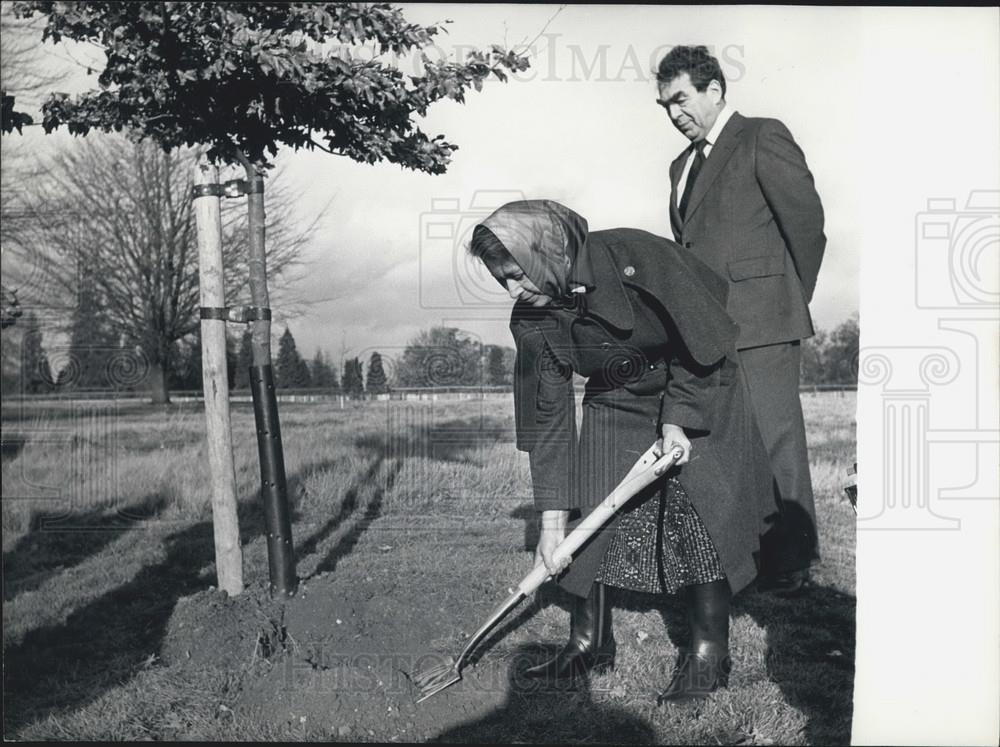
{"points": [[228, 553]]}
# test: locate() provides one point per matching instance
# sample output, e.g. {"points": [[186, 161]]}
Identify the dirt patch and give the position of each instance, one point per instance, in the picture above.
{"points": [[353, 647], [213, 629], [338, 659]]}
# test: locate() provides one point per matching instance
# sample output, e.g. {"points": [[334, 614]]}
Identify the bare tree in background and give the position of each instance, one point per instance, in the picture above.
{"points": [[24, 72], [123, 212]]}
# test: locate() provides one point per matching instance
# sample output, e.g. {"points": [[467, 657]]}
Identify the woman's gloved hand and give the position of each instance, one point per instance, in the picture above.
{"points": [[671, 437], [553, 532]]}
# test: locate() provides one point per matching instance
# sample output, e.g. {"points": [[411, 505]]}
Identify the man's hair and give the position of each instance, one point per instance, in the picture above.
{"points": [[701, 66]]}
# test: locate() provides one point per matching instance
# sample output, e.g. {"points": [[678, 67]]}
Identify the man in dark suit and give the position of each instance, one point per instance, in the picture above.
{"points": [[743, 201]]}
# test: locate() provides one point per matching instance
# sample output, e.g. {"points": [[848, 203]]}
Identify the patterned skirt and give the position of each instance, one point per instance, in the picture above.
{"points": [[660, 546]]}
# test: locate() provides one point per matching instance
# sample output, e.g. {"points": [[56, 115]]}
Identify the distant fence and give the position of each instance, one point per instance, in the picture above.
{"points": [[441, 393]]}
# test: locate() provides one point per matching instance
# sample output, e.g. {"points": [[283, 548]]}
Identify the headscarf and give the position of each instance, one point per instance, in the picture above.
{"points": [[545, 238]]}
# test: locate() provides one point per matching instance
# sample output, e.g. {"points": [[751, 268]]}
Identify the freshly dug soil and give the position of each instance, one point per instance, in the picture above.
{"points": [[341, 654]]}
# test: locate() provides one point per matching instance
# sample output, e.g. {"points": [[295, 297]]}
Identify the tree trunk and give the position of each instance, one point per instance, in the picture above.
{"points": [[158, 391], [274, 490], [215, 381]]}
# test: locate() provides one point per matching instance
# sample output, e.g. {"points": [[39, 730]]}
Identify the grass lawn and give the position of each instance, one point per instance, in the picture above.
{"points": [[410, 521]]}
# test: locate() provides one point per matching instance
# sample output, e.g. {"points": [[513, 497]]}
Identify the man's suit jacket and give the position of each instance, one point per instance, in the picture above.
{"points": [[755, 218]]}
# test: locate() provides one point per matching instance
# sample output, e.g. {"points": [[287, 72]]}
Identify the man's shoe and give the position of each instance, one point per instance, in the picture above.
{"points": [[591, 646], [696, 676], [787, 584]]}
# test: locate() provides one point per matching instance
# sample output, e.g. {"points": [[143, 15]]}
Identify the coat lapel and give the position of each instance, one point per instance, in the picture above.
{"points": [[721, 151], [607, 299], [692, 295], [676, 169]]}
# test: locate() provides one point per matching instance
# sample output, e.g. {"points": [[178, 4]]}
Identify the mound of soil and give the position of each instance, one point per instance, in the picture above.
{"points": [[213, 629], [340, 656]]}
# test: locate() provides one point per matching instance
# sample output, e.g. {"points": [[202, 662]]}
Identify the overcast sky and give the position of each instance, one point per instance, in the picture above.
{"points": [[580, 127]]}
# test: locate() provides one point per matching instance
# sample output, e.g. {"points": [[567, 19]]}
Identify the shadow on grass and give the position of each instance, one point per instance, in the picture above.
{"points": [[375, 479], [539, 714], [810, 655], [11, 446], [58, 542], [455, 440], [58, 668]]}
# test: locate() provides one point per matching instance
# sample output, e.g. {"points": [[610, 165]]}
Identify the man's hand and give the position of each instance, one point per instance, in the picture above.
{"points": [[671, 437], [553, 532]]}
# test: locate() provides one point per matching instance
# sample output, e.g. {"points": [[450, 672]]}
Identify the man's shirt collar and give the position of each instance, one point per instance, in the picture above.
{"points": [[720, 122]]}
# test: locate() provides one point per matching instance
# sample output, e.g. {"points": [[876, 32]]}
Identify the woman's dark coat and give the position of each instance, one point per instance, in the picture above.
{"points": [[654, 341]]}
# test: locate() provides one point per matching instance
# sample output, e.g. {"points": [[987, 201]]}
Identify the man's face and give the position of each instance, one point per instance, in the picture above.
{"points": [[692, 112]]}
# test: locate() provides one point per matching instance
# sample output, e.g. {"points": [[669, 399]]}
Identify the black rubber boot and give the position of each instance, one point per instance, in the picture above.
{"points": [[705, 668], [591, 646]]}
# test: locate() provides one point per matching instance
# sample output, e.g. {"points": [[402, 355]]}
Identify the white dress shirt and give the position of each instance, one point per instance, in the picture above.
{"points": [[710, 139]]}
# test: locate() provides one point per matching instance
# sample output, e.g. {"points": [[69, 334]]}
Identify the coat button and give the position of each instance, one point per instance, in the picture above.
{"points": [[629, 271], [687, 244]]}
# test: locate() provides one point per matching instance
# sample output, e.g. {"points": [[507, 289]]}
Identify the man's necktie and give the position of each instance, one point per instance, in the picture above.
{"points": [[699, 160]]}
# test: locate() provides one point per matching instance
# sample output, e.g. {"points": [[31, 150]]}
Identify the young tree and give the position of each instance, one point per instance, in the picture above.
{"points": [[243, 79], [376, 382], [249, 77]]}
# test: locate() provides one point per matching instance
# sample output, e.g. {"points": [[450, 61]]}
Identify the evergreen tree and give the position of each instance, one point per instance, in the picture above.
{"points": [[244, 359], [92, 341], [353, 382], [36, 375], [289, 371], [303, 376], [323, 375], [376, 383]]}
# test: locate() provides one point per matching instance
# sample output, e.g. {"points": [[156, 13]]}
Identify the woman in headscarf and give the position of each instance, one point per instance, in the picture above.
{"points": [[645, 324]]}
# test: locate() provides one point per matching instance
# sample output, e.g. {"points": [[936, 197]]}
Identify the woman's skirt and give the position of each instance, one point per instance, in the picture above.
{"points": [[657, 541], [660, 545]]}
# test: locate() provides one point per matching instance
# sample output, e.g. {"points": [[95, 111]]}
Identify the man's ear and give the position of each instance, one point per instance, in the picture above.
{"points": [[715, 91]]}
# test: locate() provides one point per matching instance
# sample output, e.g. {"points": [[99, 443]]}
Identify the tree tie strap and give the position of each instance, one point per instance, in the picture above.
{"points": [[232, 188], [239, 314]]}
